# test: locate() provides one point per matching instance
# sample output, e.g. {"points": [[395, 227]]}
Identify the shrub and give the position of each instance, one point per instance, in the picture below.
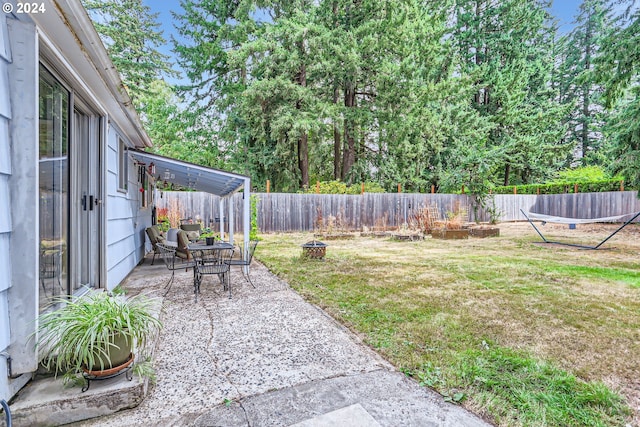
{"points": [[339, 187], [561, 187]]}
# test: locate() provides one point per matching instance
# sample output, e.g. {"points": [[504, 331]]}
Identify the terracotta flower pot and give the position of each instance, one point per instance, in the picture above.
{"points": [[110, 371]]}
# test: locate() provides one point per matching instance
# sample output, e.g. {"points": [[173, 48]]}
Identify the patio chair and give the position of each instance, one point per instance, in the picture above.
{"points": [[245, 263], [212, 262], [154, 238], [172, 235], [168, 254]]}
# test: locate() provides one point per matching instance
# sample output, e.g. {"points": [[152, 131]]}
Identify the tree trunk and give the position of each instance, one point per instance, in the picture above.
{"points": [[337, 149], [349, 151], [507, 171], [303, 143], [585, 91], [303, 160]]}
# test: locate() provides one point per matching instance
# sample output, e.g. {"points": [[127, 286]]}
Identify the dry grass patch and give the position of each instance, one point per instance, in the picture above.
{"points": [[449, 312]]}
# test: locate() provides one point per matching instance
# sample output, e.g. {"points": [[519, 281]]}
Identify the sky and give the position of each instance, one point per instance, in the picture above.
{"points": [[563, 10]]}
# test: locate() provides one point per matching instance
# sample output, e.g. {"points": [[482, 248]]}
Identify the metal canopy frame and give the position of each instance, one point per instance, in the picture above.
{"points": [[191, 176], [544, 239], [201, 178]]}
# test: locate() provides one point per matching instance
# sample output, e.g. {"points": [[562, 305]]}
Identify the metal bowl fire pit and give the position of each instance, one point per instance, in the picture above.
{"points": [[314, 249]]}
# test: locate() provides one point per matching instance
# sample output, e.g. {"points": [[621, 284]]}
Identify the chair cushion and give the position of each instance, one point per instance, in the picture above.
{"points": [[193, 235], [191, 227], [154, 235], [183, 243]]}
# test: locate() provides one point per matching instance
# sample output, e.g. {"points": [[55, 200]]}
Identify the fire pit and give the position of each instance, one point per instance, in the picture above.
{"points": [[314, 249]]}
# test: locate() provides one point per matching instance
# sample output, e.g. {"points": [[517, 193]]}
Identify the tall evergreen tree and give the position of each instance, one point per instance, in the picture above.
{"points": [[585, 120], [506, 47], [618, 69], [131, 35]]}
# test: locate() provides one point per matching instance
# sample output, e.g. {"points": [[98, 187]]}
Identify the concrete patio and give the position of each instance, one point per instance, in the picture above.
{"points": [[263, 358]]}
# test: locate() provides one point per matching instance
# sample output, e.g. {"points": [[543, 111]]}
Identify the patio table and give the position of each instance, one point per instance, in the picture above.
{"points": [[211, 259]]}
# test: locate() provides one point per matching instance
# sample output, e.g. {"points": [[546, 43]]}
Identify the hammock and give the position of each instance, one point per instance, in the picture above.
{"points": [[563, 220]]}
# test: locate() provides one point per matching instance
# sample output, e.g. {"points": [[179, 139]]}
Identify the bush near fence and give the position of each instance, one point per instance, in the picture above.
{"points": [[563, 187]]}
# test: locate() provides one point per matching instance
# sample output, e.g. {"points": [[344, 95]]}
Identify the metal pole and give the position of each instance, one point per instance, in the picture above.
{"points": [[615, 232]]}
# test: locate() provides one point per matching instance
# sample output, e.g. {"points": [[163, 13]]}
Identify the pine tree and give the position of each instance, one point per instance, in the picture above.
{"points": [[618, 70], [506, 47], [131, 35], [585, 120]]}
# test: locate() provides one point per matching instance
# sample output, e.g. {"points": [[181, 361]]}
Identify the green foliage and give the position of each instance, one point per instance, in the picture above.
{"points": [[208, 232], [518, 389], [618, 69], [584, 173], [131, 34], [81, 333], [253, 231], [511, 91], [559, 187], [576, 84], [417, 93], [339, 187]]}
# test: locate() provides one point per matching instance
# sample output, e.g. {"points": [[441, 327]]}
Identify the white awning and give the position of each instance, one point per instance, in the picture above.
{"points": [[201, 178], [191, 176]]}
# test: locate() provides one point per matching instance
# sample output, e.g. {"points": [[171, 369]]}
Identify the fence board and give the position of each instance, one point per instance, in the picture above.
{"points": [[301, 212]]}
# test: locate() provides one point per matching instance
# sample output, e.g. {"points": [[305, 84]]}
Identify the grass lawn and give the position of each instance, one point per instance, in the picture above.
{"points": [[520, 333]]}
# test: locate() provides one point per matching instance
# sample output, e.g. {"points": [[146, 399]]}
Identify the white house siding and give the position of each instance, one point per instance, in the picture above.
{"points": [[5, 214], [126, 221], [18, 196]]}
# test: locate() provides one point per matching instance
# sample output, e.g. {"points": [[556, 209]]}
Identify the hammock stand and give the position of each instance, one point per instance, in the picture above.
{"points": [[563, 220]]}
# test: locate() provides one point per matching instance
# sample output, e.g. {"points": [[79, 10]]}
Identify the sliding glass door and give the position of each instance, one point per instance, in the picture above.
{"points": [[69, 170]]}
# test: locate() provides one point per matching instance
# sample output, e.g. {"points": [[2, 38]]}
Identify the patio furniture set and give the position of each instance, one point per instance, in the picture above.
{"points": [[214, 259]]}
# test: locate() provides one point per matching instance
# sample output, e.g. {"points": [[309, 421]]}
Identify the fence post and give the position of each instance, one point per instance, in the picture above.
{"points": [[575, 188], [399, 188], [433, 189], [515, 189], [622, 185], [317, 187], [462, 188], [268, 186], [362, 188]]}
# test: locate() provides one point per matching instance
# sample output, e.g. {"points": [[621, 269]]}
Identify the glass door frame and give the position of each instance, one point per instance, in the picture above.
{"points": [[78, 171], [86, 198]]}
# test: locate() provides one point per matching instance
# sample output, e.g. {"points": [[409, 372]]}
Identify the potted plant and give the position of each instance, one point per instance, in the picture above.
{"points": [[96, 333], [209, 236]]}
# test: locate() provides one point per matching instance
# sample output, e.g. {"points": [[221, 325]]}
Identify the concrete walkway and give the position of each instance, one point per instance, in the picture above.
{"points": [[268, 358]]}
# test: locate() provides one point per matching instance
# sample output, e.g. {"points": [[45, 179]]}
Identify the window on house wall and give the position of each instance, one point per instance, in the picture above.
{"points": [[123, 167]]}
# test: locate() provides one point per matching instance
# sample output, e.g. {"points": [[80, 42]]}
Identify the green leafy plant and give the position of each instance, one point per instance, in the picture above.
{"points": [[88, 332], [253, 231], [339, 187], [208, 232], [585, 173], [562, 187]]}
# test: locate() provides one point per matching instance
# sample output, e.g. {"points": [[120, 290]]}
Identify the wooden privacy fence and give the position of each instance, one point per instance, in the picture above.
{"points": [[303, 212]]}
